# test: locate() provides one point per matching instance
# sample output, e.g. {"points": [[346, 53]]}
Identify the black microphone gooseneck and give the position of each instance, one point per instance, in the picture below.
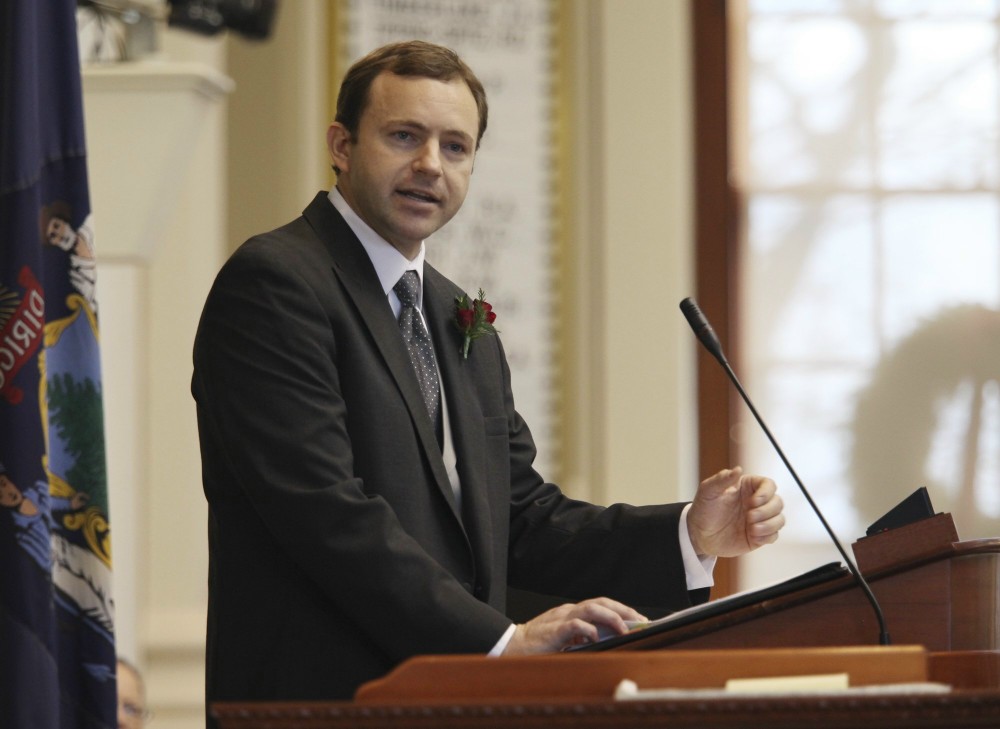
{"points": [[706, 335]]}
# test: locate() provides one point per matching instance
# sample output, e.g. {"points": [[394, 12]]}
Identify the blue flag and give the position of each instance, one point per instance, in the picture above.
{"points": [[57, 653]]}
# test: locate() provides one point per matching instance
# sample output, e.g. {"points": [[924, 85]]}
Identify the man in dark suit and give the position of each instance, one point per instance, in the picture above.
{"points": [[360, 514]]}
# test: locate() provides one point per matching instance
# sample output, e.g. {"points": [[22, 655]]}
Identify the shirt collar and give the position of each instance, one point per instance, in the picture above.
{"points": [[389, 263]]}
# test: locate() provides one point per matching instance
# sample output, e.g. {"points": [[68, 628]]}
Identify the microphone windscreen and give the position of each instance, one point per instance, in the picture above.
{"points": [[702, 329]]}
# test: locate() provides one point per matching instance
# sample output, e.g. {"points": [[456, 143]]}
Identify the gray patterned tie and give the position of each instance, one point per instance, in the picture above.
{"points": [[418, 344]]}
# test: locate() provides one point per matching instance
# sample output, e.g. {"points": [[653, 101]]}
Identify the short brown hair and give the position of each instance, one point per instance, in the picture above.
{"points": [[407, 58]]}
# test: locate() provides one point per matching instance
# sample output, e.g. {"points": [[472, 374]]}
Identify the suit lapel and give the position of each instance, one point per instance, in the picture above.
{"points": [[357, 275], [468, 435]]}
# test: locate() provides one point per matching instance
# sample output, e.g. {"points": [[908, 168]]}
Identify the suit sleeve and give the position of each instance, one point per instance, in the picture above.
{"points": [[576, 550], [280, 473]]}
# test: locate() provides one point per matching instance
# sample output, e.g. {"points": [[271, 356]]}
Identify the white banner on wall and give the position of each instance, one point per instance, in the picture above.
{"points": [[501, 240]]}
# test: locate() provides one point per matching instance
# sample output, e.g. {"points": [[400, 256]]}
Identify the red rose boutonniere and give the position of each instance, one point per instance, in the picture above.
{"points": [[474, 319]]}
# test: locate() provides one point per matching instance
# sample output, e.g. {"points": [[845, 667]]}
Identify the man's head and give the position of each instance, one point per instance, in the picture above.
{"points": [[60, 234], [132, 712], [408, 58], [10, 495], [55, 227], [404, 155]]}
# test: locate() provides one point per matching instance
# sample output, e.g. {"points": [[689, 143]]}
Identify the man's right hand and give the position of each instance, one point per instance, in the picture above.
{"points": [[570, 625]]}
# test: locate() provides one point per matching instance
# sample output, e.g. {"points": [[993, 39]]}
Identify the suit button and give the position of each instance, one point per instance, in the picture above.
{"points": [[467, 586]]}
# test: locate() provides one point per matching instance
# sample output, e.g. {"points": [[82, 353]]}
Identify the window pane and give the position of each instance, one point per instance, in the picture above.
{"points": [[809, 278], [938, 110], [804, 99], [939, 251], [947, 10]]}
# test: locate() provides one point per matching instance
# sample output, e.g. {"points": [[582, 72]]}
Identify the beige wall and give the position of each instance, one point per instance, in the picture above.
{"points": [[277, 121], [628, 408]]}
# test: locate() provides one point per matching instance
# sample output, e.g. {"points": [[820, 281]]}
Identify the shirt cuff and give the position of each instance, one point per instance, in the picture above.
{"points": [[698, 569], [501, 645]]}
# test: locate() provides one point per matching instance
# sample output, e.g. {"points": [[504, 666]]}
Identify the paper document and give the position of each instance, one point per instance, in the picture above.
{"points": [[627, 690]]}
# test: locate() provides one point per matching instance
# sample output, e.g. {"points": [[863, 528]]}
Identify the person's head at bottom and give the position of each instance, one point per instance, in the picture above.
{"points": [[132, 711]]}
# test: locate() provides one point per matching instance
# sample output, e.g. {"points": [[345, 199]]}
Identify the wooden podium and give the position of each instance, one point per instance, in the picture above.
{"points": [[934, 591], [939, 597]]}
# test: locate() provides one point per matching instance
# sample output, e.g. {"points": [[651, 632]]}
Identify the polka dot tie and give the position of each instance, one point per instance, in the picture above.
{"points": [[418, 344]]}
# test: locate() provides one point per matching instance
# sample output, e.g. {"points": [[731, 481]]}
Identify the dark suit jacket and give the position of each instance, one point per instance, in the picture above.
{"points": [[336, 548]]}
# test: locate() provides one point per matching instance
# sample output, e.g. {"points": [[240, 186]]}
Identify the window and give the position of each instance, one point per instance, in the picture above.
{"points": [[867, 147]]}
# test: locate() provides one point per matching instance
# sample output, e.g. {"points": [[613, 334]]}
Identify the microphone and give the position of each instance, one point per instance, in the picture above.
{"points": [[706, 335]]}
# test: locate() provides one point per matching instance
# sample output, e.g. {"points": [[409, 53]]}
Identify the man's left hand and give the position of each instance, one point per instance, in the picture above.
{"points": [[733, 514]]}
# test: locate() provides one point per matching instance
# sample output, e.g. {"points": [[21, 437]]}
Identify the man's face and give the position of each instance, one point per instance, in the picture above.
{"points": [[10, 495], [131, 699], [407, 171], [60, 234]]}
